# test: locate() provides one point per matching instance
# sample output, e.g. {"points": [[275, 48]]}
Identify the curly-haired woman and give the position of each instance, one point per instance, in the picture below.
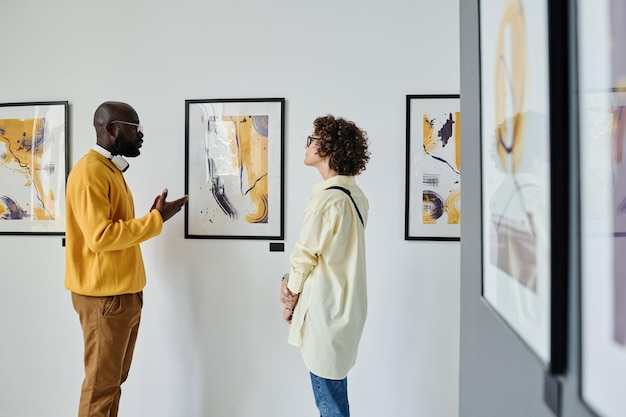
{"points": [[325, 292]]}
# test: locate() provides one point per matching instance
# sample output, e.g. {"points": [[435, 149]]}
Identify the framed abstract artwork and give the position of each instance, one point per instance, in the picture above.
{"points": [[234, 168], [519, 281], [433, 167], [33, 167], [602, 159]]}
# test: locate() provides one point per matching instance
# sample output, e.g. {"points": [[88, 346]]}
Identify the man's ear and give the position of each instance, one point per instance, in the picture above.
{"points": [[111, 129]]}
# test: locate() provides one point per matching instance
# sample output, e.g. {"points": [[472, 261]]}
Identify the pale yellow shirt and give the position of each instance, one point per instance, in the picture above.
{"points": [[328, 271]]}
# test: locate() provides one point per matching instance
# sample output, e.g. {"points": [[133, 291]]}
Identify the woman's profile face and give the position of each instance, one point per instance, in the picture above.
{"points": [[311, 157]]}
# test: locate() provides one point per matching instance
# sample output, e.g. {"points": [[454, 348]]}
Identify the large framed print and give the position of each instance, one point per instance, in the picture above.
{"points": [[517, 195], [602, 120], [234, 168], [33, 167], [433, 167]]}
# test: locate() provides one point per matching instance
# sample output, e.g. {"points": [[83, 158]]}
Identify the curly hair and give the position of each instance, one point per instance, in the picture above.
{"points": [[343, 142]]}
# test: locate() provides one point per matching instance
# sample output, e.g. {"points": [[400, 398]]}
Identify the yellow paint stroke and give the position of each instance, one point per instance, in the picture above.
{"points": [[430, 140], [619, 122], [252, 153], [510, 85], [24, 154], [452, 207], [428, 203]]}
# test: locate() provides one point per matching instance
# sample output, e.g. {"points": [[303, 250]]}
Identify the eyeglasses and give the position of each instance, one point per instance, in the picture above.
{"points": [[137, 125], [309, 140]]}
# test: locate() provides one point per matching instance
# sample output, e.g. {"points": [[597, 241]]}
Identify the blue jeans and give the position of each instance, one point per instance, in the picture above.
{"points": [[331, 396]]}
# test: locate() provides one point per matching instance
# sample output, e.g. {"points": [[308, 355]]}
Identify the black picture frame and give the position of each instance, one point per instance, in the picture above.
{"points": [[34, 157], [234, 168], [433, 173]]}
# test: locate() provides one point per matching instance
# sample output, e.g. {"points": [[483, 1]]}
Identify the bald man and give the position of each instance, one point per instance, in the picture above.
{"points": [[104, 266]]}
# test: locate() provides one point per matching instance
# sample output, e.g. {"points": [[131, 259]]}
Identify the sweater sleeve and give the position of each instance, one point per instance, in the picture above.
{"points": [[109, 225]]}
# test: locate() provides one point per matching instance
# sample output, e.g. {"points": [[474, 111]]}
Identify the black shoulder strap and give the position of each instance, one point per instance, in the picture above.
{"points": [[345, 190]]}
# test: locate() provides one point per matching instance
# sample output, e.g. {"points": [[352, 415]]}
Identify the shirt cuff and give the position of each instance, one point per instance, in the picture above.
{"points": [[296, 281]]}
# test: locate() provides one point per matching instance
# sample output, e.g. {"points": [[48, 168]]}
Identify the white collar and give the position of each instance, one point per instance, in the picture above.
{"points": [[117, 160]]}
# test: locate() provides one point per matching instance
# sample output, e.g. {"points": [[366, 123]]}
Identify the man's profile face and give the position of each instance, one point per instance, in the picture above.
{"points": [[127, 147]]}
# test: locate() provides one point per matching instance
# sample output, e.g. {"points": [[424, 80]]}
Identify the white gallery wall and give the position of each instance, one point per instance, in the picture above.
{"points": [[212, 341]]}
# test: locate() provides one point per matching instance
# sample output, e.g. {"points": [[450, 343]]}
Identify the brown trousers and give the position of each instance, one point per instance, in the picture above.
{"points": [[110, 326]]}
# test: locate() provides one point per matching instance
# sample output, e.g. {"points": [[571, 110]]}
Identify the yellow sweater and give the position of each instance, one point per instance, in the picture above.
{"points": [[102, 234]]}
